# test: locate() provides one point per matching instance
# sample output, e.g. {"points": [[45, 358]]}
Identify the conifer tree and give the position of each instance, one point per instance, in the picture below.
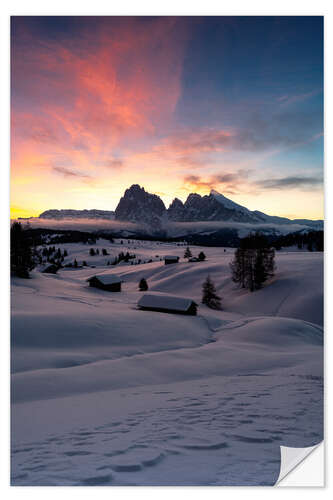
{"points": [[143, 285], [209, 295], [187, 253], [238, 267], [202, 256]]}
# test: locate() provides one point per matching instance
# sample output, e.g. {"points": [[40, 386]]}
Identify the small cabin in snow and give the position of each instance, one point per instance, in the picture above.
{"points": [[109, 282], [171, 259], [167, 303]]}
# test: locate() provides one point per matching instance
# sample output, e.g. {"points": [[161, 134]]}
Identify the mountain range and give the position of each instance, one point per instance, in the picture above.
{"points": [[137, 205], [141, 207]]}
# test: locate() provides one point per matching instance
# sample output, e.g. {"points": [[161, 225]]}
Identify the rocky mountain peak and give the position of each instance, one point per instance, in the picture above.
{"points": [[139, 206], [176, 210]]}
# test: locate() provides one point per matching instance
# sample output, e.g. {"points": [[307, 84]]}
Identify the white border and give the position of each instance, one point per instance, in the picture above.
{"points": [[141, 7]]}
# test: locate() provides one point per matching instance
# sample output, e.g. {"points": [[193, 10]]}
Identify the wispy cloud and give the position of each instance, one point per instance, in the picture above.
{"points": [[67, 172], [114, 163], [286, 100], [195, 148], [291, 182]]}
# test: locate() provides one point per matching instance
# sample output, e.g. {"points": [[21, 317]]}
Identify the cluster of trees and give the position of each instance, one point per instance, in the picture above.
{"points": [[123, 257], [311, 241], [75, 264], [24, 254], [56, 254], [93, 252], [23, 257], [188, 255], [253, 263], [53, 256], [120, 257]]}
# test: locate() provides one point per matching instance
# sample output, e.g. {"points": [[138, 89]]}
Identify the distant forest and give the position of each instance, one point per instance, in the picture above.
{"points": [[311, 240]]}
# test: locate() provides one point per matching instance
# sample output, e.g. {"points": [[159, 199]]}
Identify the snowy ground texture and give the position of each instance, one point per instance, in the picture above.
{"points": [[105, 394]]}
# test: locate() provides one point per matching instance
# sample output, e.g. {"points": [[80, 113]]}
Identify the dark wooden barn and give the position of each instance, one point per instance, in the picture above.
{"points": [[167, 304], [109, 282], [171, 259]]}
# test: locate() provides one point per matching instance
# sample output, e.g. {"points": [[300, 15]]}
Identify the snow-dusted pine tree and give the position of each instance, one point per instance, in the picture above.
{"points": [[209, 295]]}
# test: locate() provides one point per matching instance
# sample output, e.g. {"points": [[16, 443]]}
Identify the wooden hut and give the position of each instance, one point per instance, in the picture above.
{"points": [[171, 259], [167, 303], [107, 281]]}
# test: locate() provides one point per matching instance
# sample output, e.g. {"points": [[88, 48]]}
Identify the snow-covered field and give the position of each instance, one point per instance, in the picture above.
{"points": [[106, 394]]}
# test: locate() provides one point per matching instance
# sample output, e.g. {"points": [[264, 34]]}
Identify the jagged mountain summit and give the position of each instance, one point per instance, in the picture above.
{"points": [[212, 207], [139, 206]]}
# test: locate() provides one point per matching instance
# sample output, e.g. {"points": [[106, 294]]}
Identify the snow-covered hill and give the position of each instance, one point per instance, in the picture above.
{"points": [[104, 393]]}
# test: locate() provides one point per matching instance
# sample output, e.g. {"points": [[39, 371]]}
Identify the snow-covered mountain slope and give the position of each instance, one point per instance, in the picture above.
{"points": [[227, 203]]}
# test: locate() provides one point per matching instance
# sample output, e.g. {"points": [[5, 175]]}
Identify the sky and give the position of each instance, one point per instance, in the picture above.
{"points": [[175, 104]]}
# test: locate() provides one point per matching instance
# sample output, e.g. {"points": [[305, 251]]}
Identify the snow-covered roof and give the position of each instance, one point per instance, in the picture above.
{"points": [[107, 278], [171, 257], [162, 301]]}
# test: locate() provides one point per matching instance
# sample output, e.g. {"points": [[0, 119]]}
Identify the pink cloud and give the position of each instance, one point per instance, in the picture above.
{"points": [[97, 92]]}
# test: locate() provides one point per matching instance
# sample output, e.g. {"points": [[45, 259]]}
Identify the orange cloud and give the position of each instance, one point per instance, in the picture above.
{"points": [[228, 182]]}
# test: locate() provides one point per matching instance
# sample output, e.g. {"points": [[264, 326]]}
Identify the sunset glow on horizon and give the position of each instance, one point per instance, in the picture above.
{"points": [[175, 104]]}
